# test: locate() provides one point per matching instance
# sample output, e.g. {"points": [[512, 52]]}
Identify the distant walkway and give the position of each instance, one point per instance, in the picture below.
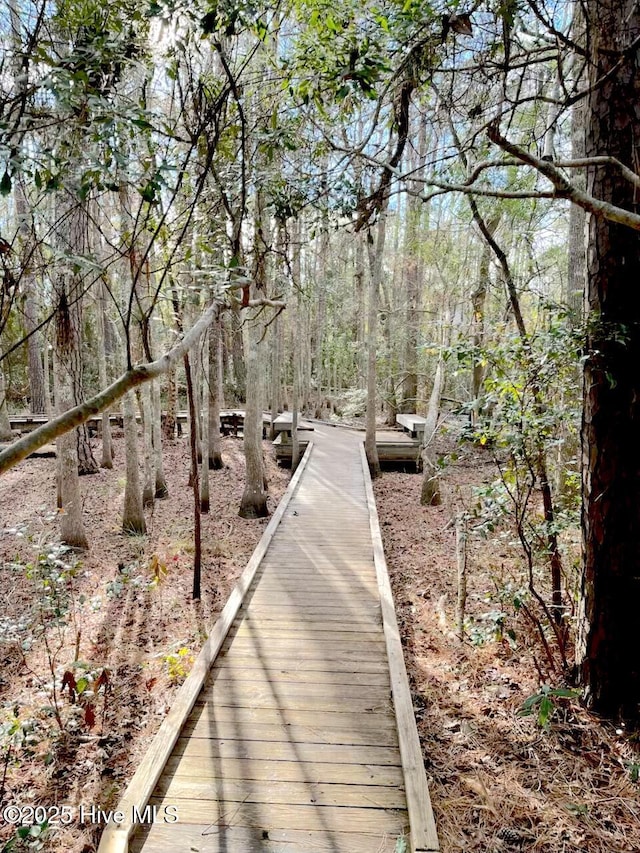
{"points": [[292, 744]]}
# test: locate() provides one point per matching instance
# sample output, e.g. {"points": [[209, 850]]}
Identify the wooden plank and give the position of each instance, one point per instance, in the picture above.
{"points": [[259, 676], [301, 633], [424, 836], [346, 649], [203, 838], [311, 818], [173, 789], [357, 725], [282, 651], [298, 701], [313, 583], [283, 691], [310, 614], [212, 750], [360, 599], [286, 771], [253, 626], [275, 664], [115, 836], [279, 733]]}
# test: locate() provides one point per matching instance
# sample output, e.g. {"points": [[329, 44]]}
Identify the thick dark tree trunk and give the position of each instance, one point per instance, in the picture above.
{"points": [[608, 643]]}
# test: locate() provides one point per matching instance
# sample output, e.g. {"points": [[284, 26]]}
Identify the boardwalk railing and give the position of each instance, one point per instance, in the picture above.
{"points": [[424, 836]]}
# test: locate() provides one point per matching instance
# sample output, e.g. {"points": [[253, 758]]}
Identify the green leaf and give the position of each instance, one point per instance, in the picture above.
{"points": [[209, 22], [545, 712], [5, 184]]}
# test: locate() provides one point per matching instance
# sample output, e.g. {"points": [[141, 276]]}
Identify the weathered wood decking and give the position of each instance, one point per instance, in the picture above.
{"points": [[302, 737]]}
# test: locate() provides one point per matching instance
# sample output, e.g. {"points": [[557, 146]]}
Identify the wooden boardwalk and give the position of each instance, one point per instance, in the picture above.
{"points": [[291, 740]]}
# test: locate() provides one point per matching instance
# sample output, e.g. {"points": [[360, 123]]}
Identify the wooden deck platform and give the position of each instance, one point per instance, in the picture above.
{"points": [[294, 732]]}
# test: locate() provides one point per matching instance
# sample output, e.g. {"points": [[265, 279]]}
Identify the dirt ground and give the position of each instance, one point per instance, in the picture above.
{"points": [[499, 781], [128, 630], [125, 610]]}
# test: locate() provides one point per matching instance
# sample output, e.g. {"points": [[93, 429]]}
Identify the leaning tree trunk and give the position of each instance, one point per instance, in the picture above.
{"points": [[610, 590]]}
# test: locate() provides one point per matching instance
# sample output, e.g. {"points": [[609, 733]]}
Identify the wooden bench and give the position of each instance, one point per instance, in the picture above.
{"points": [[413, 424], [283, 447], [283, 424]]}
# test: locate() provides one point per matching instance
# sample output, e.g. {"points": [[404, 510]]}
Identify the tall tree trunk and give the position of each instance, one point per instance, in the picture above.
{"points": [[193, 441], [34, 340], [72, 530], [75, 212], [133, 512], [148, 490], [577, 254], [37, 386], [610, 590], [254, 498], [430, 493], [296, 348], [478, 300], [206, 422], [237, 353], [160, 491], [215, 386], [133, 521], [274, 393], [101, 325], [5, 424], [376, 254], [169, 422], [360, 288]]}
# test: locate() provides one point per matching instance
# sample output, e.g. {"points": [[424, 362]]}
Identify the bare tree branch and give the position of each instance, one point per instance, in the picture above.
{"points": [[563, 189]]}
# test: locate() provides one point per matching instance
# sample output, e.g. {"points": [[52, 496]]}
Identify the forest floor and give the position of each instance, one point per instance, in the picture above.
{"points": [[124, 609], [499, 781], [128, 630]]}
